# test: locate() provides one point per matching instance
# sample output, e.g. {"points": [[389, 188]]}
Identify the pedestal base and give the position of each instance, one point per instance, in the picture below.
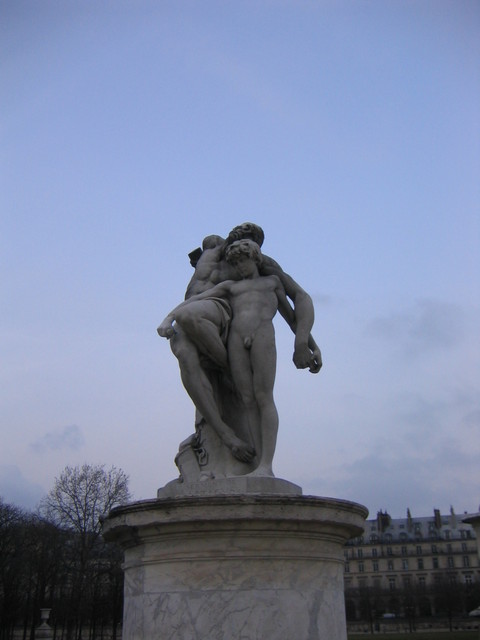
{"points": [[236, 485], [234, 567]]}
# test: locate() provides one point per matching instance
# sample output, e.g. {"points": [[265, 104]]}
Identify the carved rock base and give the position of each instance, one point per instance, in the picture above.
{"points": [[234, 567], [236, 485]]}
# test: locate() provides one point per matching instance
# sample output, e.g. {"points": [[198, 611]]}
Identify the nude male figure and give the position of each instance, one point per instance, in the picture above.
{"points": [[205, 319], [250, 348]]}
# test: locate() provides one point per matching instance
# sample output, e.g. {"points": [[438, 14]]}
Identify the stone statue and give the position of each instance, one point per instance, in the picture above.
{"points": [[224, 340]]}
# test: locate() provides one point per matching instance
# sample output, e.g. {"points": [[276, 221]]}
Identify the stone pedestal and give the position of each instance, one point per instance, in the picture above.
{"points": [[44, 631], [235, 567]]}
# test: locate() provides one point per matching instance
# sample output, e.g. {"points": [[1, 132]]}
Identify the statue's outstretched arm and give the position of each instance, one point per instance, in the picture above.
{"points": [[306, 352]]}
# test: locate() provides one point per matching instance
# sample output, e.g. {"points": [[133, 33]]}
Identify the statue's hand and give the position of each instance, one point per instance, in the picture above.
{"points": [[165, 330], [304, 358], [315, 361]]}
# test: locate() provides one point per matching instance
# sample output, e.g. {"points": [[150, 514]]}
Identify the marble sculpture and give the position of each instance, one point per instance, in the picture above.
{"points": [[223, 337]]}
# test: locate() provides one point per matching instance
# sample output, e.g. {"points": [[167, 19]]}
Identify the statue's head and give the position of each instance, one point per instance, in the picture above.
{"points": [[247, 231], [210, 242], [241, 248]]}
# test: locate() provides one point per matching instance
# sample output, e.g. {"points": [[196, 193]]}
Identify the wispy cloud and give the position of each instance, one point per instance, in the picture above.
{"points": [[70, 437], [396, 481], [429, 325], [322, 299], [16, 489]]}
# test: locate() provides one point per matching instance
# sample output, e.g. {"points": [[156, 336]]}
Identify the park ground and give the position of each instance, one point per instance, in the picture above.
{"points": [[422, 635]]}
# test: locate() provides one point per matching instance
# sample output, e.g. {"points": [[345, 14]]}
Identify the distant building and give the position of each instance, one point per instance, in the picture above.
{"points": [[412, 567]]}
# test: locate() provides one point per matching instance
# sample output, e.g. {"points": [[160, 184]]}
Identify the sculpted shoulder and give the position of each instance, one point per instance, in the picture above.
{"points": [[211, 269], [269, 267], [208, 262]]}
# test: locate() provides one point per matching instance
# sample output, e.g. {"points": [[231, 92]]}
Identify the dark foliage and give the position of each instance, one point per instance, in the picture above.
{"points": [[58, 559]]}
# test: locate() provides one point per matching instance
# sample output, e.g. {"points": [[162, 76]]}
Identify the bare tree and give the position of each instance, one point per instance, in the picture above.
{"points": [[79, 497], [11, 575]]}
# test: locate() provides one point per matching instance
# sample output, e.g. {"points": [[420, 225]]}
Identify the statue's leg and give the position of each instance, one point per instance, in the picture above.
{"points": [[201, 321], [263, 357], [240, 368], [200, 391]]}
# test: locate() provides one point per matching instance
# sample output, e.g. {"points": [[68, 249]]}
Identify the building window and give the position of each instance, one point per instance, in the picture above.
{"points": [[389, 551], [464, 547], [405, 565], [374, 538], [391, 584], [406, 581], [360, 553], [468, 579], [361, 567], [404, 551], [419, 550], [449, 548], [374, 553], [390, 565], [447, 535], [375, 566], [435, 563], [420, 563], [403, 536], [450, 562], [434, 548], [347, 568], [466, 561], [421, 582]]}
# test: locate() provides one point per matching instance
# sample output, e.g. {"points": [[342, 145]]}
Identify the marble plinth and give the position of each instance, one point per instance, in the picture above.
{"points": [[234, 567], [243, 485]]}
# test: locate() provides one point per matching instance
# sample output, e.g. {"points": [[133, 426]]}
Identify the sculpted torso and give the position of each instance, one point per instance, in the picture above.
{"points": [[252, 306], [211, 269]]}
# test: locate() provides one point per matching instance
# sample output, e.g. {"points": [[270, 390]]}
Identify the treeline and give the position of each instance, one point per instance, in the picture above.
{"points": [[56, 558], [445, 599]]}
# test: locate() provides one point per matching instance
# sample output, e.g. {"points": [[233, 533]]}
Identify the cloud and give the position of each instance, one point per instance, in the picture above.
{"points": [[16, 489], [430, 325], [393, 476], [423, 454], [69, 437], [322, 299], [423, 411], [472, 419]]}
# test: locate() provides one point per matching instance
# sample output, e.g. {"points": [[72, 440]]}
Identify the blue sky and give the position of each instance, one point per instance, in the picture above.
{"points": [[350, 131]]}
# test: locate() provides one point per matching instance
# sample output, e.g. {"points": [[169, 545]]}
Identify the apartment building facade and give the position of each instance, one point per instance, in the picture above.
{"points": [[413, 566]]}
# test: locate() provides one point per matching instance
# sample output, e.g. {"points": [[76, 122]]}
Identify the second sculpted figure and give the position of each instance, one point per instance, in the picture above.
{"points": [[224, 340]]}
